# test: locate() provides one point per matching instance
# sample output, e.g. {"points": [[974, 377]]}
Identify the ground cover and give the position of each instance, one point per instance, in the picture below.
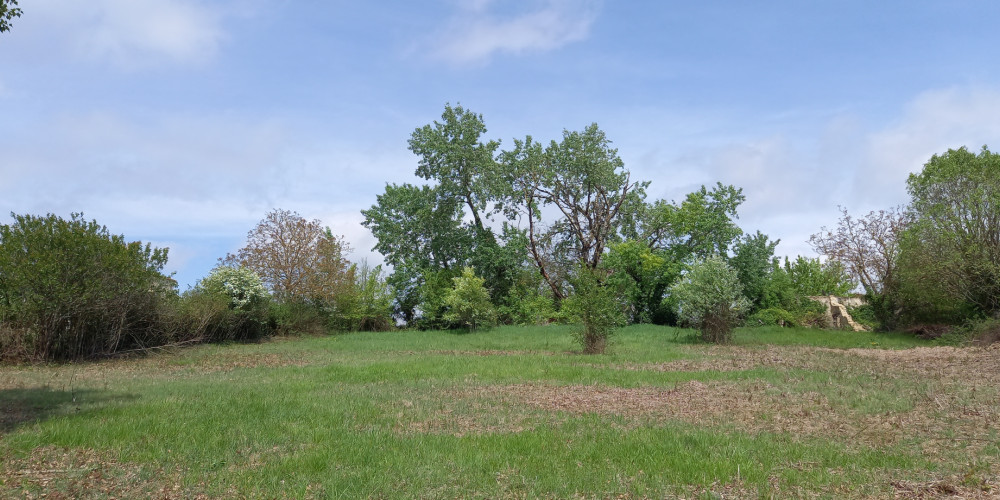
{"points": [[512, 412]]}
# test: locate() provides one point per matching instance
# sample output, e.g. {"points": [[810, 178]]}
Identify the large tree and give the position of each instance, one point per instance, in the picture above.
{"points": [[8, 11], [443, 226], [955, 232], [583, 181], [298, 259]]}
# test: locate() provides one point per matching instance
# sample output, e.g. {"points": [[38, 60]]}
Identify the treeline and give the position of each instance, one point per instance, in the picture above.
{"points": [[563, 232], [933, 264], [533, 234], [70, 289]]}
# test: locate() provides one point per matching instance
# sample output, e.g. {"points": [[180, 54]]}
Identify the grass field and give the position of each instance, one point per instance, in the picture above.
{"points": [[511, 413]]}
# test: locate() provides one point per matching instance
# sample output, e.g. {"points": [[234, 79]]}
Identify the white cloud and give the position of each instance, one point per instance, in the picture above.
{"points": [[136, 33], [932, 123], [477, 31]]}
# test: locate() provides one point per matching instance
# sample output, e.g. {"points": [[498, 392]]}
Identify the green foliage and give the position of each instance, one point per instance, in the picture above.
{"points": [[710, 298], [71, 289], [231, 303], [468, 302], [700, 226], [526, 303], [952, 244], [421, 230], [8, 11], [865, 316], [368, 305], [585, 182], [752, 261], [433, 291], [596, 305], [299, 317], [643, 276], [772, 317], [810, 277]]}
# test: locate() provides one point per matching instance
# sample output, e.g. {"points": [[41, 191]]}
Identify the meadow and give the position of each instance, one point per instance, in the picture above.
{"points": [[513, 412]]}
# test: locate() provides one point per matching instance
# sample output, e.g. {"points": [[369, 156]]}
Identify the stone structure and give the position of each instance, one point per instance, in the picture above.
{"points": [[836, 311]]}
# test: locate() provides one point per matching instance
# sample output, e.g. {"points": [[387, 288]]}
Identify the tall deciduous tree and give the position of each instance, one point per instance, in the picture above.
{"points": [[298, 259], [422, 230], [583, 180]]}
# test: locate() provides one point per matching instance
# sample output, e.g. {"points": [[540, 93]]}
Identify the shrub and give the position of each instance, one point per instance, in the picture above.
{"points": [[710, 298], [772, 317], [231, 303], [468, 302], [597, 306], [368, 304], [298, 317], [70, 289]]}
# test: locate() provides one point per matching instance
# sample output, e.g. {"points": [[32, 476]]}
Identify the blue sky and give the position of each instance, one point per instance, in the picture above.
{"points": [[182, 122]]}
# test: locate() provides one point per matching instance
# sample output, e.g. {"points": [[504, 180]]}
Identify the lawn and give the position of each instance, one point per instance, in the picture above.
{"points": [[510, 413]]}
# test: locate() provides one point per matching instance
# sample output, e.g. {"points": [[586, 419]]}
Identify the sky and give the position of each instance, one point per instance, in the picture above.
{"points": [[183, 122]]}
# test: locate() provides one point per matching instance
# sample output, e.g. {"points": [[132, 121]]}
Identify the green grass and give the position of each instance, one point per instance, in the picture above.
{"points": [[512, 412]]}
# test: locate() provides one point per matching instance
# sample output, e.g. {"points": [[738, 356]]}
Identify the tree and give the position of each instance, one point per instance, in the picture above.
{"points": [[468, 302], [596, 304], [452, 154], [700, 226], [299, 260], [585, 181], [752, 261], [423, 230], [367, 306], [75, 290], [868, 247], [643, 276], [710, 298], [231, 303], [8, 11], [954, 236]]}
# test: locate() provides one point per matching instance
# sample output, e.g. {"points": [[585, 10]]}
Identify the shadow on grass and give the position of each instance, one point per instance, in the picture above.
{"points": [[24, 406]]}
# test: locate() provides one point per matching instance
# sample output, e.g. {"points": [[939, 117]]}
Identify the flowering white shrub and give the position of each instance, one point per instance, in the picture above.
{"points": [[240, 285]]}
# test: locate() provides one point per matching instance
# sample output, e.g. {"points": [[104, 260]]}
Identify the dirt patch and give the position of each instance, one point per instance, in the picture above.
{"points": [[723, 360], [969, 365], [485, 352], [54, 472]]}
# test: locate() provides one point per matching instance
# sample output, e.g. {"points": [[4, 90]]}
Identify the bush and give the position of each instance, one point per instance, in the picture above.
{"points": [[468, 302], [367, 306], [597, 306], [231, 303], [710, 298], [298, 317], [70, 289], [772, 317]]}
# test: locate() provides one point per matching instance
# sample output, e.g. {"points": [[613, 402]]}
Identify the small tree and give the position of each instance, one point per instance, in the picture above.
{"points": [[710, 298], [468, 302], [597, 305]]}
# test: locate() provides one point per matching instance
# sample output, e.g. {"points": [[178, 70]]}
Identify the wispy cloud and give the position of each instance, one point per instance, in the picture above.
{"points": [[137, 33], [931, 123], [480, 28]]}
